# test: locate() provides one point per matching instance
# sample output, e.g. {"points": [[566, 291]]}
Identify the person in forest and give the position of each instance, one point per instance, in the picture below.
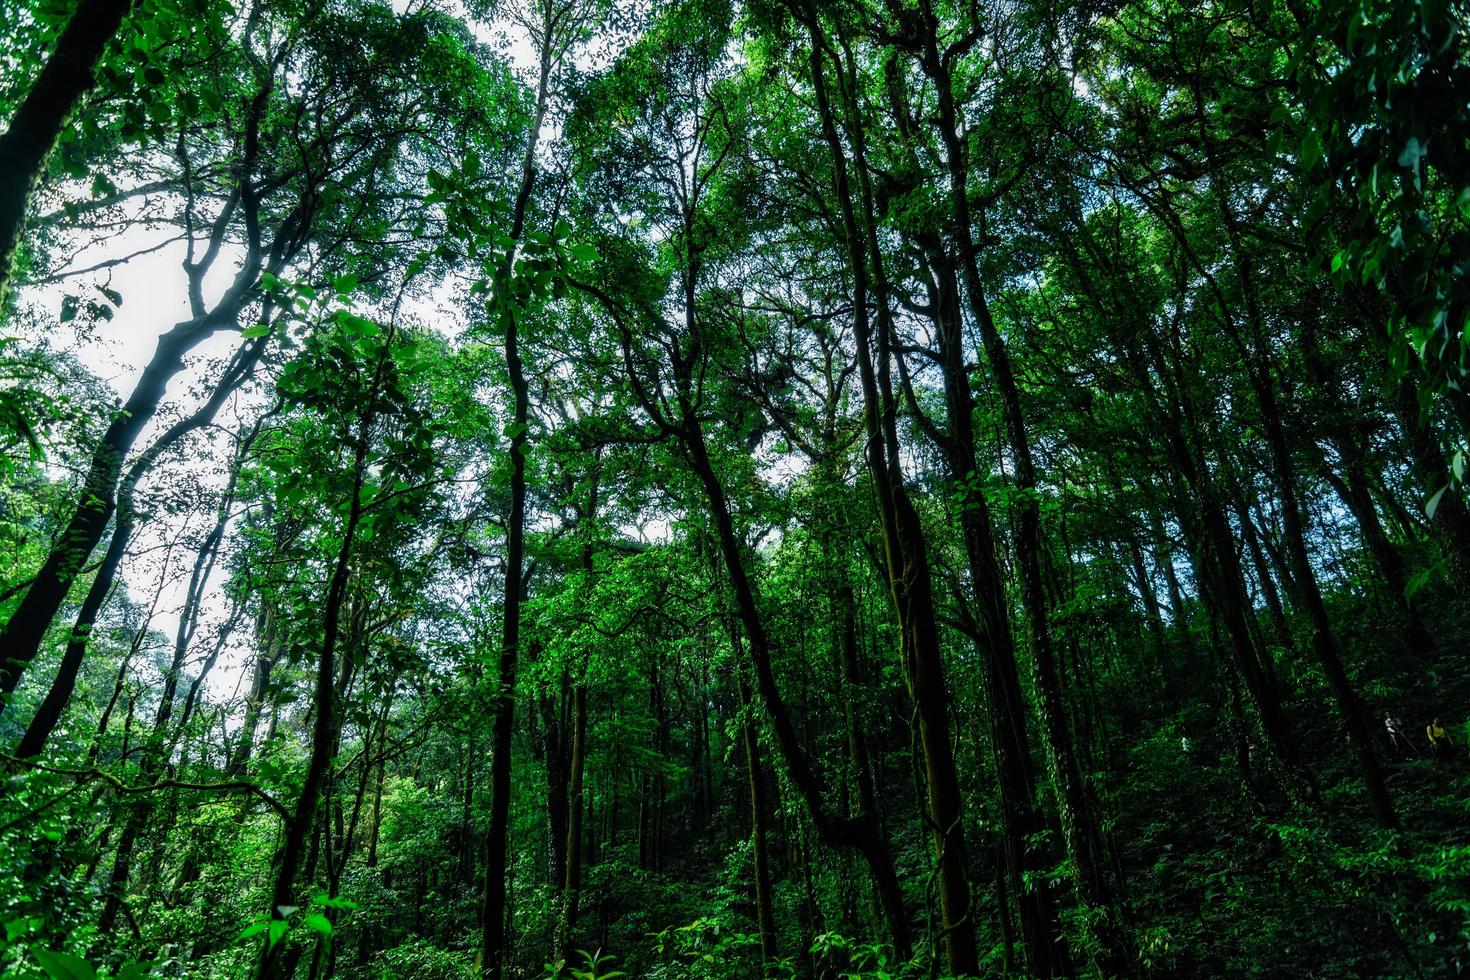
{"points": [[1439, 742], [1396, 735]]}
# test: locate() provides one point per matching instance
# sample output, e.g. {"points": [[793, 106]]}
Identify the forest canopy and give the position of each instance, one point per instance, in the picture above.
{"points": [[864, 489]]}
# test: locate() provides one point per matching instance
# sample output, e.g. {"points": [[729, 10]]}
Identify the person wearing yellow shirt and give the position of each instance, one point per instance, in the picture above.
{"points": [[1439, 742]]}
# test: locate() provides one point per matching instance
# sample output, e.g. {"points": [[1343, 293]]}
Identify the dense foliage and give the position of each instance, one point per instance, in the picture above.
{"points": [[868, 489]]}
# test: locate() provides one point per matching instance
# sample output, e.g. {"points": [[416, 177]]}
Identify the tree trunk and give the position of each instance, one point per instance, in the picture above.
{"points": [[1268, 585], [325, 730], [558, 773], [1079, 828], [572, 878], [759, 808], [68, 75], [1304, 576], [1311, 601], [23, 633], [860, 833], [495, 910], [906, 554], [1352, 486]]}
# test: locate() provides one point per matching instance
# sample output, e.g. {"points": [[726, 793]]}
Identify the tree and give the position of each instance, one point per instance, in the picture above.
{"points": [[862, 489]]}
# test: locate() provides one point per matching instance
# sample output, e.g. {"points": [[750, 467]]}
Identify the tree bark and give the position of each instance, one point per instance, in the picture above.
{"points": [[759, 808], [326, 727], [906, 550], [572, 878], [1079, 825], [494, 912], [68, 75]]}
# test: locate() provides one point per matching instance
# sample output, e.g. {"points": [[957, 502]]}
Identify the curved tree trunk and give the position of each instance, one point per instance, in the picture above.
{"points": [[23, 633], [48, 713], [69, 74]]}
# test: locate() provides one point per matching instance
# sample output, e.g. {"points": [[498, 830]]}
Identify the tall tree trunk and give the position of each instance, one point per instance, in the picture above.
{"points": [[765, 915], [134, 815], [1268, 584], [154, 757], [272, 963], [572, 878], [1304, 576], [860, 833], [555, 720], [905, 549], [1152, 611], [494, 911], [1352, 485], [1021, 819], [1005, 711], [1157, 365], [23, 633], [1079, 825], [863, 833], [270, 648], [1311, 601]]}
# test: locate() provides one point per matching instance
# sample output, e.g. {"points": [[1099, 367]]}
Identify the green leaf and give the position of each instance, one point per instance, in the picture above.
{"points": [[317, 922], [583, 252], [64, 966], [356, 325], [345, 283], [1412, 151], [1433, 504], [1416, 582], [15, 928], [327, 901], [1311, 149], [259, 330], [134, 971], [420, 261]]}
